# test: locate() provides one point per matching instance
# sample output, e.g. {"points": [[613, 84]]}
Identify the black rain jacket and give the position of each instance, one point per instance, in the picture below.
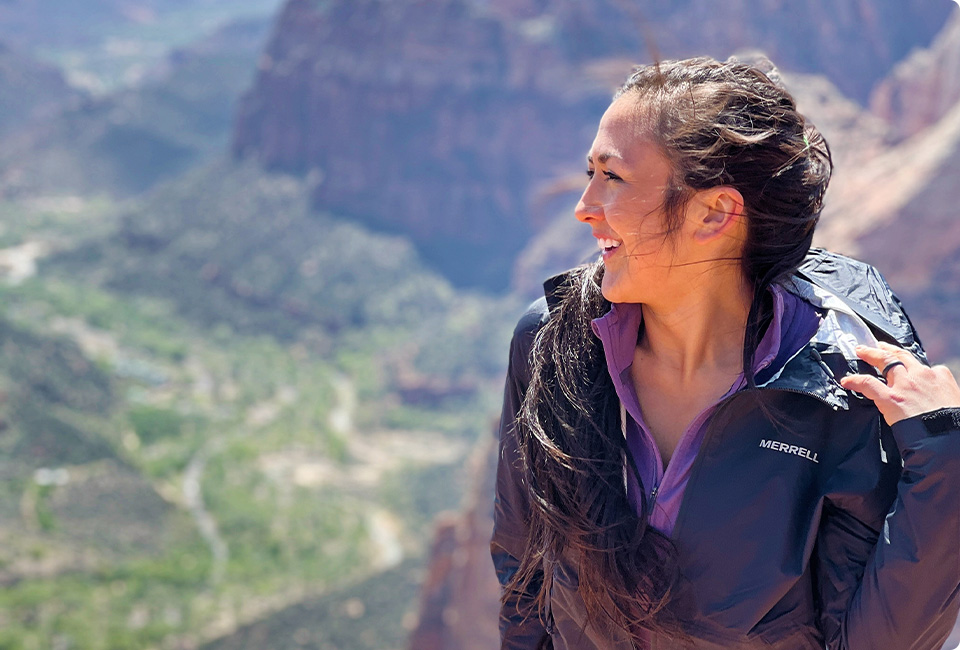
{"points": [[857, 551]]}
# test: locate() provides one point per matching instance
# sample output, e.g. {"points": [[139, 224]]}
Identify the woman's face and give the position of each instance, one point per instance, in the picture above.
{"points": [[623, 204]]}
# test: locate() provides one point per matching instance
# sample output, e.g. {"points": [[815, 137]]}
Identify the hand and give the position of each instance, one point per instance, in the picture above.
{"points": [[911, 389]]}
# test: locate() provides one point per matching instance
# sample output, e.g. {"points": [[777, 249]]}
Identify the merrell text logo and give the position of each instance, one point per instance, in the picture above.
{"points": [[789, 449]]}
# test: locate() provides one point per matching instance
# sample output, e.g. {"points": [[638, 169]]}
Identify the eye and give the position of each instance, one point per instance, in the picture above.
{"points": [[613, 177], [589, 173]]}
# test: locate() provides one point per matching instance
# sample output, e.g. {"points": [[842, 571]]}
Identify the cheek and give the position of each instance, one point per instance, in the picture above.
{"points": [[644, 230]]}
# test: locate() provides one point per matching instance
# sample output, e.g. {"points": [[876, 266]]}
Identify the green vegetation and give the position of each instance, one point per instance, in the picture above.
{"points": [[215, 402], [412, 492], [151, 423], [233, 389]]}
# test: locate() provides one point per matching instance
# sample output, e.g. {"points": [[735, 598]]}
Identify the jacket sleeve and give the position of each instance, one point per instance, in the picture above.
{"points": [[511, 506], [895, 583]]}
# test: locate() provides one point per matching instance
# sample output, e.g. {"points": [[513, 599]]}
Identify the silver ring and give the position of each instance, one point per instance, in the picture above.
{"points": [[890, 366]]}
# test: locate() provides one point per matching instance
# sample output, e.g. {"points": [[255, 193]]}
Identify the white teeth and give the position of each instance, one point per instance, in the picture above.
{"points": [[607, 243]]}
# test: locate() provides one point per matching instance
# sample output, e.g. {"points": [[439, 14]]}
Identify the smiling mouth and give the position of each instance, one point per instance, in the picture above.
{"points": [[608, 245]]}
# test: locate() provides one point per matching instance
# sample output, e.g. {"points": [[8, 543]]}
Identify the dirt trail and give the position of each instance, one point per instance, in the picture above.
{"points": [[342, 414], [193, 497]]}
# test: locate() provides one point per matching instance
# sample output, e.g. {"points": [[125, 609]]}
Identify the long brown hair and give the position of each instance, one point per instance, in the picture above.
{"points": [[719, 124]]}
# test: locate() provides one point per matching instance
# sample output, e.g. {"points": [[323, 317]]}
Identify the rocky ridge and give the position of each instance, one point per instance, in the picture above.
{"points": [[444, 125], [459, 598], [897, 209], [923, 87], [126, 142], [434, 133], [29, 90]]}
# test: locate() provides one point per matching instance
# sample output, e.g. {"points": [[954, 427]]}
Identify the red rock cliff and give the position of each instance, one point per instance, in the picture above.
{"points": [[924, 87], [441, 119]]}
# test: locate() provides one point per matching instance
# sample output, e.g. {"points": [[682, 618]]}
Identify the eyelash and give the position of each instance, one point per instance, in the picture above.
{"points": [[610, 175]]}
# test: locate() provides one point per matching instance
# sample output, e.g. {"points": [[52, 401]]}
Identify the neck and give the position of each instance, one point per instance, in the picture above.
{"points": [[700, 330]]}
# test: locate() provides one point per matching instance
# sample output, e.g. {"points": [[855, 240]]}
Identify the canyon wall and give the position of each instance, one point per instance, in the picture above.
{"points": [[446, 120]]}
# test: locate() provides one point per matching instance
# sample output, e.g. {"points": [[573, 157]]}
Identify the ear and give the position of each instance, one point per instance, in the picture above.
{"points": [[721, 209]]}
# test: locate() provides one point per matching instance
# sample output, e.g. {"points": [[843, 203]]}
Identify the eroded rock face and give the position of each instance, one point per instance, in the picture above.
{"points": [[924, 87], [459, 600], [442, 120], [913, 236], [417, 121], [897, 207], [853, 42]]}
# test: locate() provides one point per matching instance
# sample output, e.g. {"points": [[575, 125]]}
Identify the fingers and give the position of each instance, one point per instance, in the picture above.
{"points": [[899, 354], [870, 387], [889, 360], [881, 358], [911, 388]]}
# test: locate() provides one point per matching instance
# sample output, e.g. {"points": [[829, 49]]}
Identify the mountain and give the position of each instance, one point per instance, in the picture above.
{"points": [[897, 209], [67, 21], [126, 142], [231, 245], [69, 501], [40, 375], [236, 399], [923, 87], [444, 120], [29, 90], [854, 44], [459, 597], [435, 128]]}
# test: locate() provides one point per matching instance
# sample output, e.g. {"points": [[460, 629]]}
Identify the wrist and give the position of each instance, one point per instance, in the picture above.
{"points": [[941, 420]]}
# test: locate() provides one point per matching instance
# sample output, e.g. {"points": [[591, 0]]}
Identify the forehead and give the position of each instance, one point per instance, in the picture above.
{"points": [[626, 133]]}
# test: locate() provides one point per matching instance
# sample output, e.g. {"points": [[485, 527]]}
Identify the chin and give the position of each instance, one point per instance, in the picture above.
{"points": [[613, 291]]}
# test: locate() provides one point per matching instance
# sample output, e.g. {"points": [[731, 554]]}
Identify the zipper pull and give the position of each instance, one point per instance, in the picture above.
{"points": [[653, 497], [815, 353]]}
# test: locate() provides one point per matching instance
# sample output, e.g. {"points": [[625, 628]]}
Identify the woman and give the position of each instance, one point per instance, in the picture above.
{"points": [[715, 437]]}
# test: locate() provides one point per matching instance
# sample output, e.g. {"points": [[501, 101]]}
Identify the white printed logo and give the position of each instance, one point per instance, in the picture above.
{"points": [[776, 445]]}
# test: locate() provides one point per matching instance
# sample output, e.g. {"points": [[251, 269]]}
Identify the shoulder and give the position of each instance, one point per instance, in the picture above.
{"points": [[864, 290], [534, 317], [530, 323], [556, 289]]}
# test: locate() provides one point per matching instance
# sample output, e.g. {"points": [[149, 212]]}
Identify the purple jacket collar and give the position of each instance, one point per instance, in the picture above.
{"points": [[619, 330]]}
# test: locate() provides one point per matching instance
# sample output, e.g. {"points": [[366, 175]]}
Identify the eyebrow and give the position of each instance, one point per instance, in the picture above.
{"points": [[603, 158]]}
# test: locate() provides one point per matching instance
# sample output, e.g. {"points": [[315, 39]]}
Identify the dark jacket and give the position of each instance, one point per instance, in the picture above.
{"points": [[858, 549]]}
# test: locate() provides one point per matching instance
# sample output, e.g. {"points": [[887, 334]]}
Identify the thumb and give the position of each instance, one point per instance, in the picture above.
{"points": [[867, 385]]}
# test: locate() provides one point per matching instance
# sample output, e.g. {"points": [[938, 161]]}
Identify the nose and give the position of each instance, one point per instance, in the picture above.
{"points": [[588, 208]]}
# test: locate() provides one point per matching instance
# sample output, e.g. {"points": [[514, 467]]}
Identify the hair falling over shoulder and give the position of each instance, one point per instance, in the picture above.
{"points": [[573, 456]]}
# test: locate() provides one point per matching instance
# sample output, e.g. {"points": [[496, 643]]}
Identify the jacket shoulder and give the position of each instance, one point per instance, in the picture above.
{"points": [[532, 320], [862, 288]]}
